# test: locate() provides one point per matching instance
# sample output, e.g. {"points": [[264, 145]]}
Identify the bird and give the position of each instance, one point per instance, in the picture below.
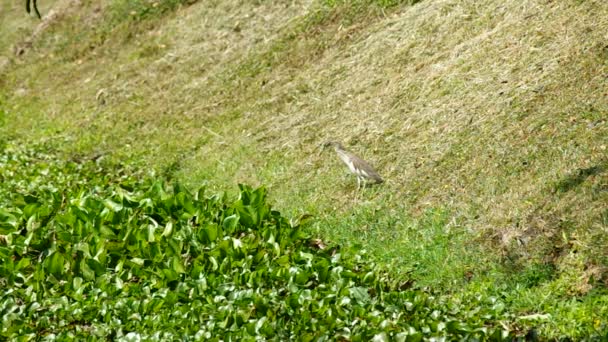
{"points": [[365, 173]]}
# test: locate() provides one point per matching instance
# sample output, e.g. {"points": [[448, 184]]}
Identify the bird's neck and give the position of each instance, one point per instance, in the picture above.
{"points": [[343, 155]]}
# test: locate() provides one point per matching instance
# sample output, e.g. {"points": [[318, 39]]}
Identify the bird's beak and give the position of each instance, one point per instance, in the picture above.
{"points": [[321, 147]]}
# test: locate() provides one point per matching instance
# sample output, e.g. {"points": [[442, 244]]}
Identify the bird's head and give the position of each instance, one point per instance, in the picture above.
{"points": [[333, 144]]}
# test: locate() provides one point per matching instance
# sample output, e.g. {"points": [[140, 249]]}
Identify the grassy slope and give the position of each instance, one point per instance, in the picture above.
{"points": [[488, 120]]}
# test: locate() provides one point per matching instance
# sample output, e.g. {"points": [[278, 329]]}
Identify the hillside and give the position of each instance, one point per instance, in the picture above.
{"points": [[488, 120]]}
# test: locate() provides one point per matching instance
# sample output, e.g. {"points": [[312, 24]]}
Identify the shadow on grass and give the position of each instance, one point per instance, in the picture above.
{"points": [[575, 179]]}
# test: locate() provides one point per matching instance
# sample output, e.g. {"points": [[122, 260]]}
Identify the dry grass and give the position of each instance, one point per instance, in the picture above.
{"points": [[496, 111], [483, 108]]}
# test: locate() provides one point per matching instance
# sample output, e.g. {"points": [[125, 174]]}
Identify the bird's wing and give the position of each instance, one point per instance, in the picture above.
{"points": [[364, 169]]}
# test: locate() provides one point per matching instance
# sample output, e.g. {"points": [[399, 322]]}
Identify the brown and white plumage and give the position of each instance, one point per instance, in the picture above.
{"points": [[365, 173]]}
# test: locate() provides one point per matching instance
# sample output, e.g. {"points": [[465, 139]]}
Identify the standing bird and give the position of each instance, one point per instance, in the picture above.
{"points": [[364, 172]]}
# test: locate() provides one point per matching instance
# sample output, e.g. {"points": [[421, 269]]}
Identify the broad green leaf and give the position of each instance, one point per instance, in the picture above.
{"points": [[168, 229], [86, 271], [29, 210], [230, 223], [151, 237], [360, 294], [138, 261], [177, 265], [23, 263], [55, 263], [381, 337], [8, 222], [76, 283], [96, 266], [110, 204]]}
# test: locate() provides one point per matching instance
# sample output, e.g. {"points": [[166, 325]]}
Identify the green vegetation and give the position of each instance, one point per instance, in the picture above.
{"points": [[488, 119], [88, 253]]}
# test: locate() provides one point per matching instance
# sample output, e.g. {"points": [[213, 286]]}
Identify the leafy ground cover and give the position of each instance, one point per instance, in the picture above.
{"points": [[92, 253]]}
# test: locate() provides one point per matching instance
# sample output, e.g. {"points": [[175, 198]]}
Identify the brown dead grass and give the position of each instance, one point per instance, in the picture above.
{"points": [[481, 107], [485, 113]]}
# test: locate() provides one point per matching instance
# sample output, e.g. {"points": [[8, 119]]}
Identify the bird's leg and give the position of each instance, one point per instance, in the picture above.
{"points": [[357, 191]]}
